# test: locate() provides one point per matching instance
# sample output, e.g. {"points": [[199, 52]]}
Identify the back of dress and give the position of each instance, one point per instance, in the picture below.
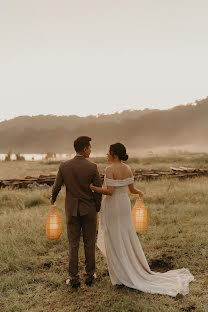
{"points": [[118, 241], [115, 214]]}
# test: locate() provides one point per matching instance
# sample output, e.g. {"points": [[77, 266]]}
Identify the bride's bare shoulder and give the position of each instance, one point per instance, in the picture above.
{"points": [[118, 172], [127, 170], [109, 169], [109, 172], [126, 166]]}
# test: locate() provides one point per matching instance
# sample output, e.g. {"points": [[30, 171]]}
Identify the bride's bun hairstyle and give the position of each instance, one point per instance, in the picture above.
{"points": [[118, 149]]}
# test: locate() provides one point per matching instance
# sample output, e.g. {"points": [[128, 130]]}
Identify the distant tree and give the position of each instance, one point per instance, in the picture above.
{"points": [[19, 156], [8, 156], [50, 155]]}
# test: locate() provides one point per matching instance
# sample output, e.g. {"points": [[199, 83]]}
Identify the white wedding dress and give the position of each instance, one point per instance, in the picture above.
{"points": [[119, 243]]}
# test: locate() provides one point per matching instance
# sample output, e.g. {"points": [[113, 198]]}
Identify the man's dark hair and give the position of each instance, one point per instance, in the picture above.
{"points": [[81, 142]]}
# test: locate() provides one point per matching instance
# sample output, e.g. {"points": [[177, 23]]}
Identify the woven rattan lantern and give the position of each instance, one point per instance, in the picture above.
{"points": [[139, 214], [53, 224]]}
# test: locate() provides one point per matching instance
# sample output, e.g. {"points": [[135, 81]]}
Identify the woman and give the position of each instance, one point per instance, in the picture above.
{"points": [[117, 238]]}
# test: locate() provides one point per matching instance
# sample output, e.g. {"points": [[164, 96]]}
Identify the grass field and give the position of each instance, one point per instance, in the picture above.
{"points": [[20, 169], [33, 269]]}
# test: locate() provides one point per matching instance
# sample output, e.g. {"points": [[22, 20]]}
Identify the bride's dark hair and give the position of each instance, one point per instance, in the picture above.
{"points": [[118, 149]]}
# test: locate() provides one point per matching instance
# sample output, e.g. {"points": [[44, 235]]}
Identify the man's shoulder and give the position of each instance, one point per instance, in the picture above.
{"points": [[84, 162], [93, 164], [90, 165], [65, 163]]}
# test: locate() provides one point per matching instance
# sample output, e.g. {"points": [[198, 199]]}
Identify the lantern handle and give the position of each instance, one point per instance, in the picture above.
{"points": [[140, 197], [53, 207], [140, 194]]}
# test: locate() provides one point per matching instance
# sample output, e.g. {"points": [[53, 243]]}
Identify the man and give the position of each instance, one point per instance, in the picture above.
{"points": [[81, 207]]}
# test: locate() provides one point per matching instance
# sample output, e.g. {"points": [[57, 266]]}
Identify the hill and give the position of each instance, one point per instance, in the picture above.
{"points": [[184, 125]]}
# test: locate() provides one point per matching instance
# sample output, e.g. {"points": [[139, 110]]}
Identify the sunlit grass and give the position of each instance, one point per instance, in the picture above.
{"points": [[33, 269]]}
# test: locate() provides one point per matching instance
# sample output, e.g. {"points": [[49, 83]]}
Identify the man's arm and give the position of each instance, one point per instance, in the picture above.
{"points": [[96, 178], [97, 182], [57, 186]]}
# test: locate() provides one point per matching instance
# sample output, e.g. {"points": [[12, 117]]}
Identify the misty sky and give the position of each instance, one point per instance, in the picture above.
{"points": [[90, 56]]}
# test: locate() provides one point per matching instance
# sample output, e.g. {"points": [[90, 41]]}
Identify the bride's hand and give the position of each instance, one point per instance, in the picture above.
{"points": [[91, 187], [140, 194]]}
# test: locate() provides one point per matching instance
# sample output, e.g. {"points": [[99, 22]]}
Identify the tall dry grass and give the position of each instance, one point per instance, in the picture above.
{"points": [[33, 269]]}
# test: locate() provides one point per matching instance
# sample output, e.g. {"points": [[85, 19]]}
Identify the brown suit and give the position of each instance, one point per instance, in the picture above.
{"points": [[81, 206]]}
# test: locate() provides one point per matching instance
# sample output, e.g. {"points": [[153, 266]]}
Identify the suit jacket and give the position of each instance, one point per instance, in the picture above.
{"points": [[77, 174]]}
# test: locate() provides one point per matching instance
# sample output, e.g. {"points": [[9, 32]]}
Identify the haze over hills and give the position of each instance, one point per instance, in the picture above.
{"points": [[184, 126]]}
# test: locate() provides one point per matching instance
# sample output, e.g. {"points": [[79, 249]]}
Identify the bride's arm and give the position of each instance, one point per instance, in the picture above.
{"points": [[132, 189], [104, 190]]}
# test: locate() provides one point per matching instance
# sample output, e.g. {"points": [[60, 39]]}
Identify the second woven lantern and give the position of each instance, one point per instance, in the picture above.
{"points": [[139, 214]]}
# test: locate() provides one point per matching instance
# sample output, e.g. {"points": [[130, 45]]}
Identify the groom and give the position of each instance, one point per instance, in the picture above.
{"points": [[81, 207]]}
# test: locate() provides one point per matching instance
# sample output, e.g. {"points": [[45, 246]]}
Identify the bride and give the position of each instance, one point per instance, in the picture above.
{"points": [[118, 240]]}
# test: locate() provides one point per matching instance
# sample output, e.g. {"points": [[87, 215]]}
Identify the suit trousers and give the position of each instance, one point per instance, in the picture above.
{"points": [[87, 224]]}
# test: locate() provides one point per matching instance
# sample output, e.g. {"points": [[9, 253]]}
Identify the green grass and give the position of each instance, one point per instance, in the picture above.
{"points": [[33, 269]]}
